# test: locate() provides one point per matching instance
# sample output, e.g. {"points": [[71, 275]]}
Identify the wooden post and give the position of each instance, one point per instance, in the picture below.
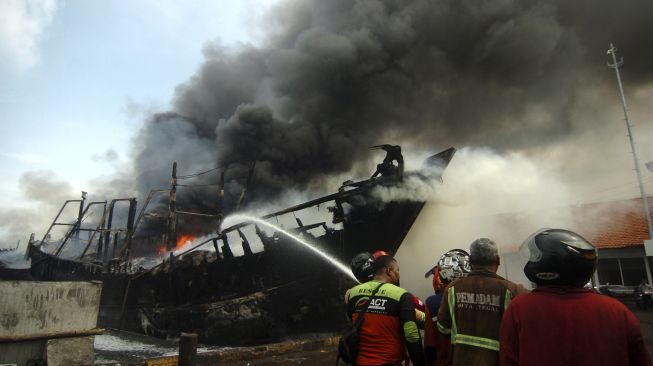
{"points": [[171, 237], [187, 349], [80, 214]]}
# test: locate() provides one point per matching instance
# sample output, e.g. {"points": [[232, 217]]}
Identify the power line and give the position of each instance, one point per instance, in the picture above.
{"points": [[193, 175], [199, 185]]}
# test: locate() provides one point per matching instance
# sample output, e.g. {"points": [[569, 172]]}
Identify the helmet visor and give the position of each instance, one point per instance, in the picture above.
{"points": [[529, 250]]}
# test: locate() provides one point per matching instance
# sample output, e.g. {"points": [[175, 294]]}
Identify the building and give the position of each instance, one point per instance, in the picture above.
{"points": [[618, 229]]}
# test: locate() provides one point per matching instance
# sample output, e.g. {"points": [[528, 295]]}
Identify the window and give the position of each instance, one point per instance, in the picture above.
{"points": [[608, 270], [633, 270]]}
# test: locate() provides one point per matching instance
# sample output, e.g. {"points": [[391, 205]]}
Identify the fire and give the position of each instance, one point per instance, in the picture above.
{"points": [[181, 241]]}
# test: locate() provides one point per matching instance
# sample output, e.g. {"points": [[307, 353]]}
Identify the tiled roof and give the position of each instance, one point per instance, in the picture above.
{"points": [[616, 224]]}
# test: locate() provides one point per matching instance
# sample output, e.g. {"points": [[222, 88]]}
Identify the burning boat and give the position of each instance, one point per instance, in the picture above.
{"points": [[252, 282]]}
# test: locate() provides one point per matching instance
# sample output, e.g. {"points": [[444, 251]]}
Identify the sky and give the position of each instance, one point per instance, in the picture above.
{"points": [[78, 73], [77, 78], [91, 91]]}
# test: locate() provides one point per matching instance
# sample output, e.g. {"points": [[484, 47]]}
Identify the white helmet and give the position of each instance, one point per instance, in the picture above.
{"points": [[454, 264], [451, 265]]}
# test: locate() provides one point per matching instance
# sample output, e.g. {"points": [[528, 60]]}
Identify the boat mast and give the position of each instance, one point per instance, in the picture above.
{"points": [[171, 235], [80, 214]]}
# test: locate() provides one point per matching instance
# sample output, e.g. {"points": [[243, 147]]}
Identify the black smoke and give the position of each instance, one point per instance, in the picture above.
{"points": [[335, 77]]}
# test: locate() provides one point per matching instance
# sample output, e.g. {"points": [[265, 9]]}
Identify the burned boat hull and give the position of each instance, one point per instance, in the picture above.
{"points": [[260, 296], [256, 298]]}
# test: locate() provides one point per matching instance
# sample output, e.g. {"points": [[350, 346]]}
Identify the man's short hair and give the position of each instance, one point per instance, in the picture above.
{"points": [[483, 251], [381, 263]]}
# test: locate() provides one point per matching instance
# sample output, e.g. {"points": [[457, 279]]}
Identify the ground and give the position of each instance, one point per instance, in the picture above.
{"points": [[122, 348]]}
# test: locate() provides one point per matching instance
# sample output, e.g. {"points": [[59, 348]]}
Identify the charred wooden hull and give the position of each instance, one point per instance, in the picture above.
{"points": [[261, 297], [257, 297]]}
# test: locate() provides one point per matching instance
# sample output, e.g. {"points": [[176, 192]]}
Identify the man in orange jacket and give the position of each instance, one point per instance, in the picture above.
{"points": [[390, 325]]}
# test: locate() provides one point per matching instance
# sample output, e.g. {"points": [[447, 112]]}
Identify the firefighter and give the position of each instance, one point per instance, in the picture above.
{"points": [[561, 322], [390, 326], [472, 307], [452, 265], [362, 268]]}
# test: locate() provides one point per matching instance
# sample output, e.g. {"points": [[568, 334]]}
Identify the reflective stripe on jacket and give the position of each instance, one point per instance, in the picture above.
{"points": [[471, 313], [389, 326]]}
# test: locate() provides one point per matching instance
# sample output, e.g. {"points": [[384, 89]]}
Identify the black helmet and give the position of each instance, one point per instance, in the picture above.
{"points": [[559, 257], [361, 266]]}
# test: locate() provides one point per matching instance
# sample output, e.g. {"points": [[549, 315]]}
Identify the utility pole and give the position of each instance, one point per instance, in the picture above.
{"points": [[615, 65]]}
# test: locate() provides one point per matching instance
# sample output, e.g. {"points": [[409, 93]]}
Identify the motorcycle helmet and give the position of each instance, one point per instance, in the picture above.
{"points": [[451, 265], [559, 257], [361, 266]]}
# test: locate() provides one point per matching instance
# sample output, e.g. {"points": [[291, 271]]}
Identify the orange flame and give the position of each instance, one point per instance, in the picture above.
{"points": [[181, 241]]}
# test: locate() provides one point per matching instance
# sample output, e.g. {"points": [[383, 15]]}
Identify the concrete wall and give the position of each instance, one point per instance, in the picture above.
{"points": [[30, 308]]}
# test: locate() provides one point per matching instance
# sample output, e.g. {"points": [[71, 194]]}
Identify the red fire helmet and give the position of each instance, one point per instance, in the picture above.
{"points": [[380, 253]]}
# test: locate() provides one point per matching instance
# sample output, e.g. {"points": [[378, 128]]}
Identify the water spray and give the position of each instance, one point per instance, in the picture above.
{"points": [[344, 269]]}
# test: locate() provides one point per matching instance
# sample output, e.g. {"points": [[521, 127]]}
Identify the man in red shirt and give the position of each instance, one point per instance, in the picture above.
{"points": [[562, 323]]}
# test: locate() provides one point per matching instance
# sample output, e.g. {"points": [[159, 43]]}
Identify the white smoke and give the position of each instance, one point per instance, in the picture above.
{"points": [[504, 197]]}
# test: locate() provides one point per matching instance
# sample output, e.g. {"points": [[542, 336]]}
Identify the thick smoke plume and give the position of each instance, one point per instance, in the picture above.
{"points": [[335, 77]]}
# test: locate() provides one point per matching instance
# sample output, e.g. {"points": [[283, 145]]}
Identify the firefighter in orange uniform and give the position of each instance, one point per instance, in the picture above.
{"points": [[390, 326]]}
